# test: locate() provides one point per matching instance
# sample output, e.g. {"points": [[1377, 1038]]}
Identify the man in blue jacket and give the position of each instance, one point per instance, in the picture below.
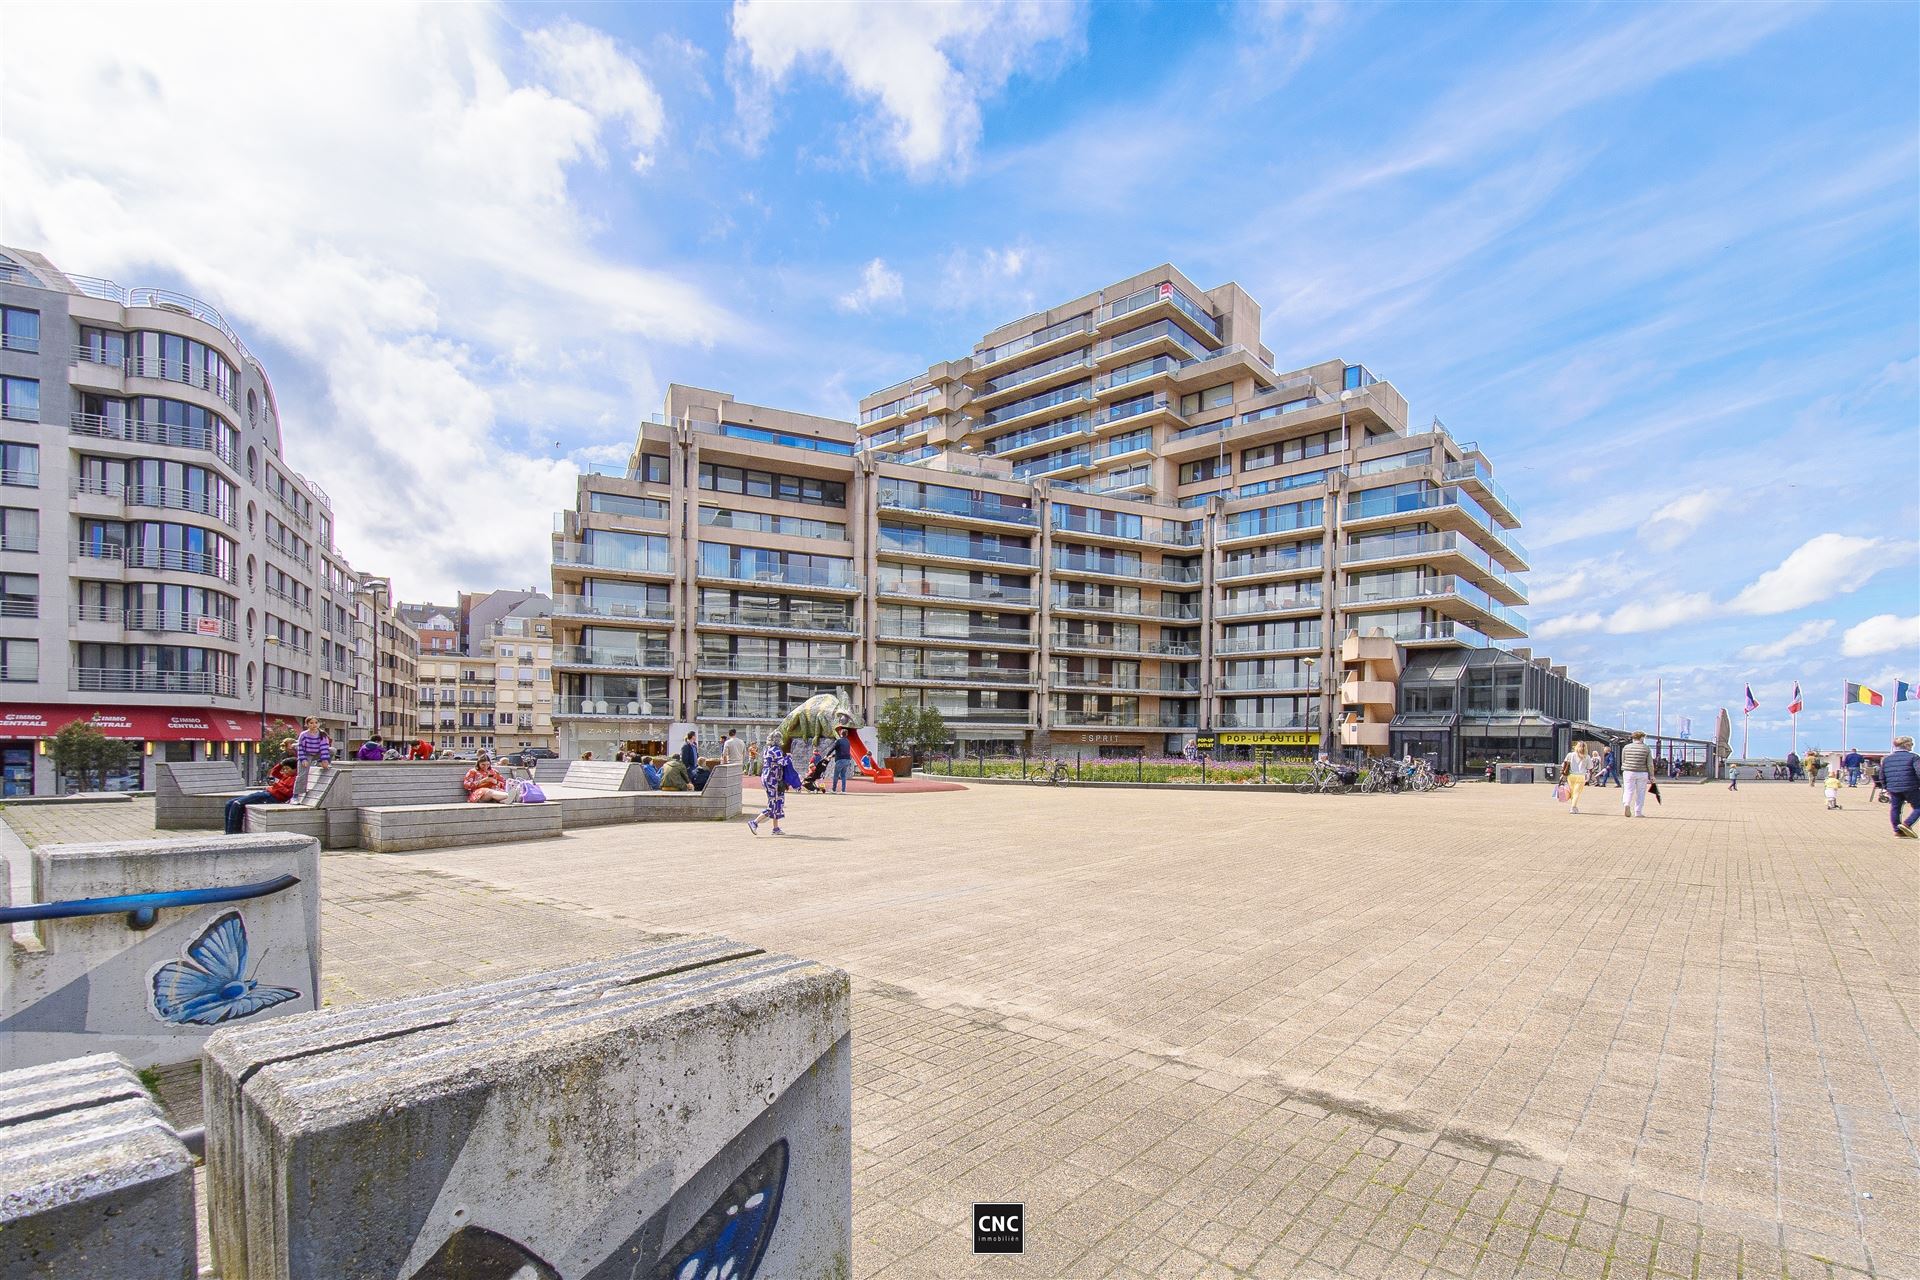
{"points": [[1851, 762], [1900, 775]]}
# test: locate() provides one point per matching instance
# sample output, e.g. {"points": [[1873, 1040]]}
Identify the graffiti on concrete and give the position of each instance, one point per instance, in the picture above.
{"points": [[731, 1237], [211, 983]]}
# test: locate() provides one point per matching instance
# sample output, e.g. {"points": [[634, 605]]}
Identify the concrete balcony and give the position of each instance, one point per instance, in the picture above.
{"points": [[1372, 737], [1369, 693]]}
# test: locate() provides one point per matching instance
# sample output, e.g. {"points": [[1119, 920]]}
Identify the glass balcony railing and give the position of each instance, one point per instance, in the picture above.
{"points": [[1249, 566], [635, 610], [1194, 348], [983, 356], [1282, 643], [944, 504], [1472, 471], [1036, 404], [1262, 720], [1419, 633], [1158, 402], [1034, 372], [954, 675], [1266, 684], [1094, 603], [1066, 460], [907, 629], [652, 707], [613, 657], [613, 556], [1120, 446], [780, 620], [1113, 567], [1242, 605], [942, 590], [793, 577], [1367, 507], [1374, 595], [1125, 682], [1433, 545], [895, 407], [1154, 293], [1138, 371], [1065, 429], [761, 665], [953, 549]]}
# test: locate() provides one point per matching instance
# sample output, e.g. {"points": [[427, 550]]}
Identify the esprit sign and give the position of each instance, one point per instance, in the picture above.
{"points": [[1000, 1228]]}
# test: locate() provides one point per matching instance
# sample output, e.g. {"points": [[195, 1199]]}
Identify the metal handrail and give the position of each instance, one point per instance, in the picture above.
{"points": [[142, 909]]}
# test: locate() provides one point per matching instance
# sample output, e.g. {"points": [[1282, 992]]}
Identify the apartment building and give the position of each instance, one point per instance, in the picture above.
{"points": [[1115, 525], [388, 647], [164, 572], [499, 696]]}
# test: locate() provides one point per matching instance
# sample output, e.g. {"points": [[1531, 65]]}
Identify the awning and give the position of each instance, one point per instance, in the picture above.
{"points": [[138, 724]]}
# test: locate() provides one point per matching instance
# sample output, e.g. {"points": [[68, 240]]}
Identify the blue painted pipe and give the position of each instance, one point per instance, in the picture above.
{"points": [[143, 909]]}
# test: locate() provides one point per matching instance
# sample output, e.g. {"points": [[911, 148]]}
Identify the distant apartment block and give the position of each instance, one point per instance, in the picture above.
{"points": [[163, 571], [495, 692], [1115, 525]]}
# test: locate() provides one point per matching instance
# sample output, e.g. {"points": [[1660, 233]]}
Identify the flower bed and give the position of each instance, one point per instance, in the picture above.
{"points": [[1162, 769]]}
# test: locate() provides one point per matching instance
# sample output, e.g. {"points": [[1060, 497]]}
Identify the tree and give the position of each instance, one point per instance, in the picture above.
{"points": [[81, 750], [929, 731], [898, 726], [281, 735]]}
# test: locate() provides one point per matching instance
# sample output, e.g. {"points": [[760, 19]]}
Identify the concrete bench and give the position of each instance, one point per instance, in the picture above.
{"points": [[193, 795], [92, 1181], [396, 828], [623, 1117], [595, 793]]}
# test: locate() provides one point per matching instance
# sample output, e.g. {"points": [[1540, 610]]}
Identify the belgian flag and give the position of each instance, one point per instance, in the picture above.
{"points": [[1864, 696]]}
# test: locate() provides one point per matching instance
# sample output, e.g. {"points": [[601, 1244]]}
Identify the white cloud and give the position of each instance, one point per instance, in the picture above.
{"points": [[1826, 565], [996, 280], [409, 250], [926, 67], [1657, 614], [1807, 633], [1671, 524], [586, 66], [1882, 633], [878, 283]]}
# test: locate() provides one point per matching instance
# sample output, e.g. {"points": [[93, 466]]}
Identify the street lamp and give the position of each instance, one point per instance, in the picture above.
{"points": [[260, 749]]}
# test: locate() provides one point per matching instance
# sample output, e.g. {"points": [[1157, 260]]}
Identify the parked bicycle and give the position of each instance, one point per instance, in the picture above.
{"points": [[1054, 771]]}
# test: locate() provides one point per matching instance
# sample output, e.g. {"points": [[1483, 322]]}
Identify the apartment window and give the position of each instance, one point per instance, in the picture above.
{"points": [[1357, 377], [620, 504], [1204, 469], [19, 595], [655, 469], [1314, 446], [1212, 398], [20, 399], [762, 484], [19, 329], [19, 529], [19, 661], [20, 465], [103, 346]]}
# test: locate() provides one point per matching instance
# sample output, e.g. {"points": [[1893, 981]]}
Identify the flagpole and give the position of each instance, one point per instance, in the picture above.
{"points": [[1744, 717], [1843, 717], [1659, 693]]}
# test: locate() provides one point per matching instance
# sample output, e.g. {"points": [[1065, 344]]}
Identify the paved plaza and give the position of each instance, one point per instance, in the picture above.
{"points": [[1213, 1034]]}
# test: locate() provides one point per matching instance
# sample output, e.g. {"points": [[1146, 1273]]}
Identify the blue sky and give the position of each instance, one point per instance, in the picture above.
{"points": [[1659, 260]]}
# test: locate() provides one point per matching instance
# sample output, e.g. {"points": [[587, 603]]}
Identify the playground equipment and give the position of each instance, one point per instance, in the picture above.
{"points": [[817, 720]]}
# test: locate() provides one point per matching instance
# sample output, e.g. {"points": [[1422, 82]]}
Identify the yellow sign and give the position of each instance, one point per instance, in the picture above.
{"points": [[1270, 738]]}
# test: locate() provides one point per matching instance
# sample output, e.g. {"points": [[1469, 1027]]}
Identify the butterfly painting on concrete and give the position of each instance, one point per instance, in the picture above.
{"points": [[211, 984]]}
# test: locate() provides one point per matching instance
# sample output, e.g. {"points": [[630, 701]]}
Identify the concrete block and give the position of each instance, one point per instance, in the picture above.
{"points": [[92, 1181], [98, 984], [640, 1116]]}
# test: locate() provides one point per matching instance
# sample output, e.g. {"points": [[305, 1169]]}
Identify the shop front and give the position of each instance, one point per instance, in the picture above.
{"points": [[1277, 745], [151, 733]]}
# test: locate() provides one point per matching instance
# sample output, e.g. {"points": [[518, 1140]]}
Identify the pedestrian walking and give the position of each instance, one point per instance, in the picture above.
{"points": [[1609, 767], [1573, 773], [733, 751], [774, 764], [1851, 762], [1793, 767], [1900, 776], [1636, 764], [842, 759]]}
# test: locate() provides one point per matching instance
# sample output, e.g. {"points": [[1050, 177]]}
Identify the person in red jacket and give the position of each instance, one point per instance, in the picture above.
{"points": [[279, 790], [422, 750]]}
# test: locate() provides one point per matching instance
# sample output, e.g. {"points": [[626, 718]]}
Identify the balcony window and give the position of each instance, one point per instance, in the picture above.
{"points": [[1201, 401], [765, 484], [19, 529], [19, 329], [620, 504], [1204, 469], [19, 661], [19, 595], [20, 465], [1357, 377], [20, 399]]}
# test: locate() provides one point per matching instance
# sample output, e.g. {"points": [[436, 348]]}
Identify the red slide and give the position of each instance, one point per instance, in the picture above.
{"points": [[863, 760]]}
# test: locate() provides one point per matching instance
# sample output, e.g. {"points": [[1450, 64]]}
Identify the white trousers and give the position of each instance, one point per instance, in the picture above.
{"points": [[1636, 797]]}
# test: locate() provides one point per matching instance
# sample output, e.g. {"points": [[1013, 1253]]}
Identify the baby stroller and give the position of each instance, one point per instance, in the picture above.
{"points": [[816, 770]]}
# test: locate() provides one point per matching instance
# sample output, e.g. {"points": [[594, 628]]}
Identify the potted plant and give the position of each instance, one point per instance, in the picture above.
{"points": [[898, 724]]}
